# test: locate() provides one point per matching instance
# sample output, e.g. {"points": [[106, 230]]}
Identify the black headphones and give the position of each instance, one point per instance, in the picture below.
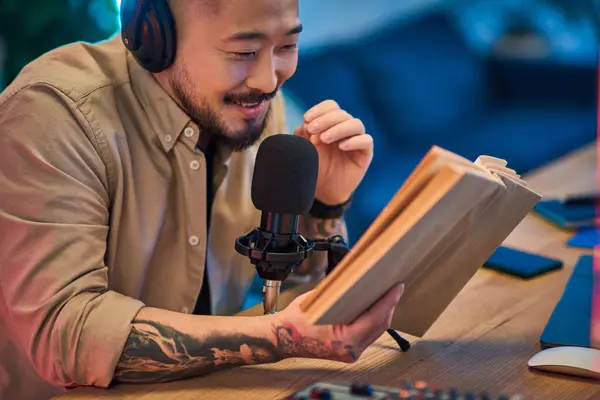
{"points": [[148, 32]]}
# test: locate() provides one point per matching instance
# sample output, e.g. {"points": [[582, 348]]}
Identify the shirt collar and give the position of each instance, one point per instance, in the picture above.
{"points": [[167, 119]]}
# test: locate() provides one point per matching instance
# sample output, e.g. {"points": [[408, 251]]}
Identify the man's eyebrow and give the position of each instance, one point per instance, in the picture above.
{"points": [[257, 35]]}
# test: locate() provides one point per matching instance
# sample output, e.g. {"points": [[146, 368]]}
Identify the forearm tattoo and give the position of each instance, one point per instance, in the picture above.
{"points": [[316, 228], [290, 343], [158, 353]]}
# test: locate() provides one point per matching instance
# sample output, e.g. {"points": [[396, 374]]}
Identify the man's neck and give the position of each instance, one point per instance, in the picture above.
{"points": [[164, 80]]}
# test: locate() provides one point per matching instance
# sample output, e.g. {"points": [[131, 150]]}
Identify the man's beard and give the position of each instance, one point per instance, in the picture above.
{"points": [[211, 124]]}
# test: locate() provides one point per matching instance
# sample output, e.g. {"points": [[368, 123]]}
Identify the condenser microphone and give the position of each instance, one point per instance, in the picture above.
{"points": [[283, 188]]}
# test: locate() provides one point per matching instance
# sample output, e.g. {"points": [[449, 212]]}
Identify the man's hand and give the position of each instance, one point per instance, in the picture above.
{"points": [[345, 150], [296, 337]]}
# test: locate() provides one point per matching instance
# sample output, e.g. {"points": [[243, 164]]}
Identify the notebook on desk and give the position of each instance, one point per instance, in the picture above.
{"points": [[570, 321], [439, 228], [565, 215]]}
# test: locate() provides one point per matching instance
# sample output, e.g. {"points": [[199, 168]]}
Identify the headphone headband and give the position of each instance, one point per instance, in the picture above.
{"points": [[148, 32]]}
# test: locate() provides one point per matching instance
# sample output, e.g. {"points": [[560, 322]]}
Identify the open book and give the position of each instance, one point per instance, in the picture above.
{"points": [[440, 227]]}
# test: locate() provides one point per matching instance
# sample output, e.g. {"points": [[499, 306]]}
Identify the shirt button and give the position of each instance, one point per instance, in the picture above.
{"points": [[188, 132], [168, 138], [195, 165], [185, 310], [193, 240]]}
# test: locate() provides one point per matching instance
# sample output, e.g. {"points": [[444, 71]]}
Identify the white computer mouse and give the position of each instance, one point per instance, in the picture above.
{"points": [[569, 360]]}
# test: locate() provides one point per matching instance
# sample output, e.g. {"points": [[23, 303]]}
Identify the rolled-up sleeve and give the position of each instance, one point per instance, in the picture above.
{"points": [[54, 222]]}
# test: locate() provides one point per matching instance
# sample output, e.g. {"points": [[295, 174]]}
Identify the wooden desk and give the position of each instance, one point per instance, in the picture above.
{"points": [[481, 342]]}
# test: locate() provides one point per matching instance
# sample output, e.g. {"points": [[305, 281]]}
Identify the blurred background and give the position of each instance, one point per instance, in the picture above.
{"points": [[515, 79]]}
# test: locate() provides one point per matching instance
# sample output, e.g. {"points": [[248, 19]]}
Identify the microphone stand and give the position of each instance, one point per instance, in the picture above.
{"points": [[271, 290], [275, 267]]}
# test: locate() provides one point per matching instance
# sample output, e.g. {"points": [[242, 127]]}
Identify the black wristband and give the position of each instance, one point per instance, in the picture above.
{"points": [[325, 211]]}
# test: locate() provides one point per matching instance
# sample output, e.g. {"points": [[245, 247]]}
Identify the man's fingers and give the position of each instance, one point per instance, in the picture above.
{"points": [[369, 340], [377, 331], [371, 325], [343, 130], [320, 109], [357, 143], [327, 120], [378, 314]]}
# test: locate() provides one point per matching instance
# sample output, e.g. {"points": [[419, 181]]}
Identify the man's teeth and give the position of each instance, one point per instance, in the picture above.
{"points": [[245, 104]]}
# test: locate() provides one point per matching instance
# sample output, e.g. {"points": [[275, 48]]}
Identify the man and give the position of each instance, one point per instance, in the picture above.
{"points": [[111, 175]]}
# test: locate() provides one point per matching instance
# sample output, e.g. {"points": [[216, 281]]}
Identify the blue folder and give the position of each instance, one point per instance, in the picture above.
{"points": [[586, 238], [570, 322], [567, 216]]}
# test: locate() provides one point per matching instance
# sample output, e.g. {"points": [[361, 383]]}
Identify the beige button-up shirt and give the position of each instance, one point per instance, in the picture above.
{"points": [[102, 211]]}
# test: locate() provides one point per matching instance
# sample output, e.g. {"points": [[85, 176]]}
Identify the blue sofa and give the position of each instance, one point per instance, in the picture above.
{"points": [[419, 84]]}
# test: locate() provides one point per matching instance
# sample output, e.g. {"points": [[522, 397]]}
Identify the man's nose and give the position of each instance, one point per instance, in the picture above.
{"points": [[264, 75]]}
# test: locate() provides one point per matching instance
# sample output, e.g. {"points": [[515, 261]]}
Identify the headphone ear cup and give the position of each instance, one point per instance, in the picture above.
{"points": [[148, 31], [168, 33], [149, 50], [151, 53]]}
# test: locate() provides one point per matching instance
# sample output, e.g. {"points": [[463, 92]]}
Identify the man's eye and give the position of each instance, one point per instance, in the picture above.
{"points": [[290, 47], [245, 54]]}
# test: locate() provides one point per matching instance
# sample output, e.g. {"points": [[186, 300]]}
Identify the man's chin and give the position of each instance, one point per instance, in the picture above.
{"points": [[243, 135], [241, 132], [242, 127]]}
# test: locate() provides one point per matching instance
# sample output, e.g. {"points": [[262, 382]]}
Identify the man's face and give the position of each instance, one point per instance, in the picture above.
{"points": [[230, 64]]}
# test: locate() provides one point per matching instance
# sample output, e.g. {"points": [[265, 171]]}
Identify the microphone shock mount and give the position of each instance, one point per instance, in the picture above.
{"points": [[275, 267]]}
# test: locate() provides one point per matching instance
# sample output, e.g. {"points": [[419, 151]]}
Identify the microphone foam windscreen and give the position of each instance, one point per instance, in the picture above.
{"points": [[285, 175]]}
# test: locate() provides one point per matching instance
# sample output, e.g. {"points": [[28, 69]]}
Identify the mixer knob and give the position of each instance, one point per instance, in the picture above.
{"points": [[454, 393], [407, 385], [322, 394], [361, 389]]}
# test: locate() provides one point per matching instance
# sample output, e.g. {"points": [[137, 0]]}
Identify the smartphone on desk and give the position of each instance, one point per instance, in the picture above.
{"points": [[520, 263]]}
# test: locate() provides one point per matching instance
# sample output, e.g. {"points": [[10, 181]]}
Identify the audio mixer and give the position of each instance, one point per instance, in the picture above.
{"points": [[417, 390]]}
